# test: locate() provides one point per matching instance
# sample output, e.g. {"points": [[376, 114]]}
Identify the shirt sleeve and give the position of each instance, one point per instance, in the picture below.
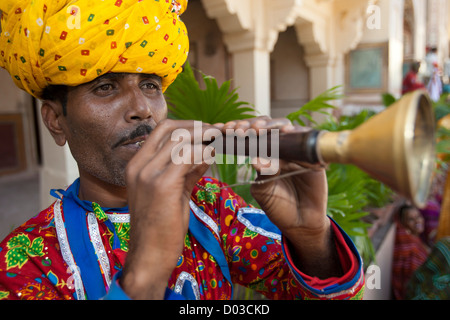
{"points": [[349, 285], [116, 292], [259, 258]]}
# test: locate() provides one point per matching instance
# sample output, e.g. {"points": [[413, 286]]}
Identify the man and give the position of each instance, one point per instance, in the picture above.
{"points": [[135, 225], [410, 252], [411, 81], [434, 86]]}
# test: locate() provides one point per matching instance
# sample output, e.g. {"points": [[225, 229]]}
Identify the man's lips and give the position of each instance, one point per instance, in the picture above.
{"points": [[135, 143], [136, 138]]}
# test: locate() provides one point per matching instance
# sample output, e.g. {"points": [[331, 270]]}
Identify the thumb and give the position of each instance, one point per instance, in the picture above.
{"points": [[268, 170]]}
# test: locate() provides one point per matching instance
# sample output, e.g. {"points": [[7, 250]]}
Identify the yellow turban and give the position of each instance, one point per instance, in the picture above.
{"points": [[70, 42]]}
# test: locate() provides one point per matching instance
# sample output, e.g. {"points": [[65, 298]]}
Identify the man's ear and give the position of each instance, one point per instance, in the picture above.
{"points": [[52, 116]]}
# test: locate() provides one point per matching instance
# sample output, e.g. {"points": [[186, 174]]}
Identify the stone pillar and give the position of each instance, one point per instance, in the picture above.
{"points": [[251, 69], [322, 73]]}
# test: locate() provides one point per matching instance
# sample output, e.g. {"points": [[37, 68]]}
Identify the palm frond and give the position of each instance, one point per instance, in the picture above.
{"points": [[318, 104], [187, 101]]}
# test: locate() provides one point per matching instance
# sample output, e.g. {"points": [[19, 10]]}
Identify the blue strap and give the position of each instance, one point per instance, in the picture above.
{"points": [[116, 293], [116, 240], [207, 240], [79, 241], [82, 249]]}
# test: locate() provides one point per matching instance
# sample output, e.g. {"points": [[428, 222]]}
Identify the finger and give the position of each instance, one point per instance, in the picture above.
{"points": [[229, 125], [188, 152], [169, 126], [189, 131], [244, 123], [219, 125], [194, 175], [159, 136], [263, 190], [288, 128], [189, 172], [270, 123], [292, 128], [266, 168]]}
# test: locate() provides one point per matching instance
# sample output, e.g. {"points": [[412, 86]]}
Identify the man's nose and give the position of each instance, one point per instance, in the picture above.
{"points": [[138, 106]]}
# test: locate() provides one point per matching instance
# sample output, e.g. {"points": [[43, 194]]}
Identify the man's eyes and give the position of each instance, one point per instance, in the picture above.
{"points": [[151, 86], [107, 88]]}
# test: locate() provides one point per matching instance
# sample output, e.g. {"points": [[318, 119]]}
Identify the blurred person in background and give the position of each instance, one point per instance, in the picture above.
{"points": [[410, 252]]}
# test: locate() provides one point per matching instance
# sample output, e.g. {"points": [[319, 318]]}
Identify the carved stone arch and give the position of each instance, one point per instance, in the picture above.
{"points": [[255, 25], [313, 36], [231, 16], [335, 30], [251, 28]]}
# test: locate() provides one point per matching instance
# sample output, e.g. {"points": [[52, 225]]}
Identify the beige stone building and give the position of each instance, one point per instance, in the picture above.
{"points": [[279, 53]]}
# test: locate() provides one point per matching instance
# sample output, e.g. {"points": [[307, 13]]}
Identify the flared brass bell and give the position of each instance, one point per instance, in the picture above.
{"points": [[396, 147]]}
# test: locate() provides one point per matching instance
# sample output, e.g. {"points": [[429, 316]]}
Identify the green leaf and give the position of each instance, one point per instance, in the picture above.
{"points": [[442, 106], [443, 146], [318, 104], [187, 101], [21, 248], [4, 295], [388, 99], [36, 248]]}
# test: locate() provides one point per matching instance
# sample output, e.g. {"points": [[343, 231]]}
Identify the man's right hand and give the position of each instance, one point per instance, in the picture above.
{"points": [[158, 197]]}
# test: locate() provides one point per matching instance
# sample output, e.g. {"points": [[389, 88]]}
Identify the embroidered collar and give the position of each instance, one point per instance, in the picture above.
{"points": [[78, 216]]}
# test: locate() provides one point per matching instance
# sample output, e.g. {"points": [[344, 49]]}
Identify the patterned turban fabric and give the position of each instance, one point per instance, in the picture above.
{"points": [[70, 42]]}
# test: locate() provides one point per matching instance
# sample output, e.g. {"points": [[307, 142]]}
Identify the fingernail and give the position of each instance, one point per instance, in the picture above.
{"points": [[288, 128]]}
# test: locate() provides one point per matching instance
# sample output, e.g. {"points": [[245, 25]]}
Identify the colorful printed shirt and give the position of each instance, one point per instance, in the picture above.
{"points": [[228, 243], [409, 254]]}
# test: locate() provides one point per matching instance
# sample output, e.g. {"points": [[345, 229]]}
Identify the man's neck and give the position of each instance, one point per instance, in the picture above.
{"points": [[105, 194]]}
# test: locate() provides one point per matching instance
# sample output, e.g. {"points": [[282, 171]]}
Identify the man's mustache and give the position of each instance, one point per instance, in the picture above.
{"points": [[142, 130]]}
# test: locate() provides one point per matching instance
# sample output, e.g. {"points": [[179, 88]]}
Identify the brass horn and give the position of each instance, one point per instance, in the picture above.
{"points": [[396, 147]]}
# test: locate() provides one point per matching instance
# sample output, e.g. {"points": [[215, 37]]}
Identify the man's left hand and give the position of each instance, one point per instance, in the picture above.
{"points": [[297, 204]]}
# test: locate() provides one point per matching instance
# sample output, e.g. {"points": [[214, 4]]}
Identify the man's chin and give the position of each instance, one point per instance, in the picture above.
{"points": [[115, 180]]}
